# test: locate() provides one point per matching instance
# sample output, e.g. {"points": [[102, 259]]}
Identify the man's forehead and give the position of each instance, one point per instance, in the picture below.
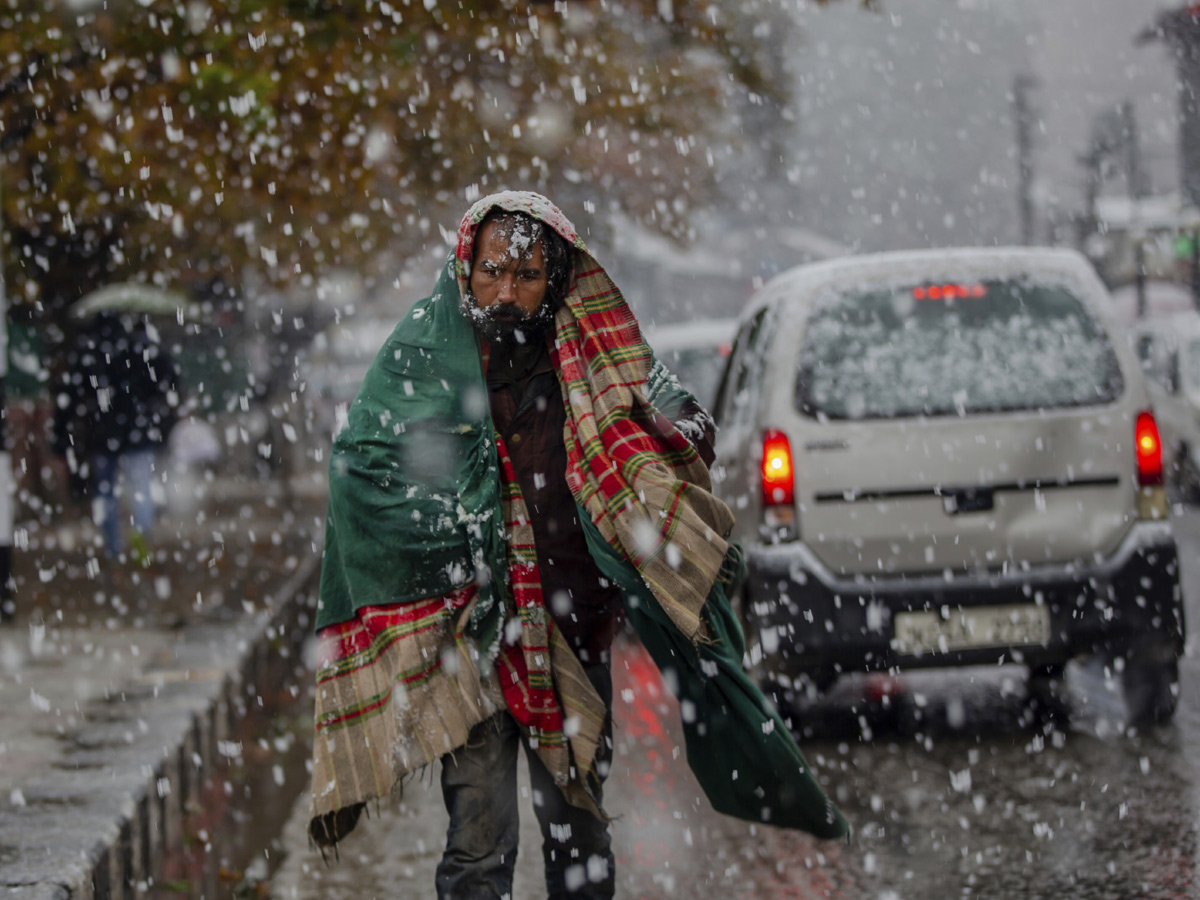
{"points": [[518, 239]]}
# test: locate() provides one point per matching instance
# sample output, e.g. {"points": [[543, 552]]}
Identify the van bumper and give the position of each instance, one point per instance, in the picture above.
{"points": [[806, 621]]}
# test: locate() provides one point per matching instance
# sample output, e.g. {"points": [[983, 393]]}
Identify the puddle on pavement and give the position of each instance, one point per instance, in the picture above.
{"points": [[232, 836]]}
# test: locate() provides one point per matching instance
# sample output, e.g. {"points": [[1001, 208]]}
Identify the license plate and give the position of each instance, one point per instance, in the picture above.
{"points": [[928, 631]]}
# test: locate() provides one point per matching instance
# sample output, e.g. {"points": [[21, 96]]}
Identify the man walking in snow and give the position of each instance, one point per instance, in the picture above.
{"points": [[518, 472]]}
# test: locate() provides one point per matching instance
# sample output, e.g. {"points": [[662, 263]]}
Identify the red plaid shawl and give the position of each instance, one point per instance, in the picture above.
{"points": [[400, 686]]}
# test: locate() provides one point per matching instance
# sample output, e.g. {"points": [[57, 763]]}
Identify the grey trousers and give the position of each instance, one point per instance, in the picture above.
{"points": [[479, 786]]}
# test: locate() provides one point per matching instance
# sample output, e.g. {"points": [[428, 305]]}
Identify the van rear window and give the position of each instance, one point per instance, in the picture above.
{"points": [[944, 349]]}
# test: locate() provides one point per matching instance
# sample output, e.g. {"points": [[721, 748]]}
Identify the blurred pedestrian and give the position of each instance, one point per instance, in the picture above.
{"points": [[116, 409], [517, 473]]}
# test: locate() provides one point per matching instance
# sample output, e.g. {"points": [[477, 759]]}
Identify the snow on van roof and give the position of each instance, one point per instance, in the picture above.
{"points": [[906, 266]]}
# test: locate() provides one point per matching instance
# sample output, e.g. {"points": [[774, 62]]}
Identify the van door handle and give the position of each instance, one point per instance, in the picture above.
{"points": [[967, 500]]}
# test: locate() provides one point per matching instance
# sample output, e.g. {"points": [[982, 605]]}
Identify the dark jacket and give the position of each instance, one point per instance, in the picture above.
{"points": [[528, 412], [120, 391]]}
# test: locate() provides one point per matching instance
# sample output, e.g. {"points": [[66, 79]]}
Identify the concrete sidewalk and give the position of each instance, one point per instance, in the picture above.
{"points": [[122, 684]]}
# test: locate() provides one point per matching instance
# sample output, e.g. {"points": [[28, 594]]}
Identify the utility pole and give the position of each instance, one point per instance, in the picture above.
{"points": [[1023, 119], [1133, 153], [1139, 273], [1133, 186]]}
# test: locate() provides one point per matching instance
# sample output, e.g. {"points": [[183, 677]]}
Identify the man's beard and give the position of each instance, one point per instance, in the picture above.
{"points": [[508, 325]]}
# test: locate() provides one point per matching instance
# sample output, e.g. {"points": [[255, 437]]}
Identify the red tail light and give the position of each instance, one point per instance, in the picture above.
{"points": [[948, 291], [778, 485], [1148, 447]]}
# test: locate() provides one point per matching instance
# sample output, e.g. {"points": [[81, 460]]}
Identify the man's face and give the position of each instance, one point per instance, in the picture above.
{"points": [[508, 280]]}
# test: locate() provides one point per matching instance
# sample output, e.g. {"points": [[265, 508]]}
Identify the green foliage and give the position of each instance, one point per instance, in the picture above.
{"points": [[189, 141]]}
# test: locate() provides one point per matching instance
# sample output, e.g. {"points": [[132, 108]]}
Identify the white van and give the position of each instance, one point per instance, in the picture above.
{"points": [[943, 458], [1169, 351]]}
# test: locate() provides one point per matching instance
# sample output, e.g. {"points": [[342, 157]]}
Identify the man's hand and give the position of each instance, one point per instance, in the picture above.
{"points": [[698, 427]]}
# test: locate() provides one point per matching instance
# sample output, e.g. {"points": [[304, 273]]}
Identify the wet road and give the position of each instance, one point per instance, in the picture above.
{"points": [[958, 791]]}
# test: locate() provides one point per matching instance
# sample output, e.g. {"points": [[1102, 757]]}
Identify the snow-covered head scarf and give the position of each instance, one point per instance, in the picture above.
{"points": [[518, 215]]}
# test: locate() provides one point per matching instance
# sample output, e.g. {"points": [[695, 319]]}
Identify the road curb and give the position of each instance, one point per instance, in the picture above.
{"points": [[102, 825]]}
